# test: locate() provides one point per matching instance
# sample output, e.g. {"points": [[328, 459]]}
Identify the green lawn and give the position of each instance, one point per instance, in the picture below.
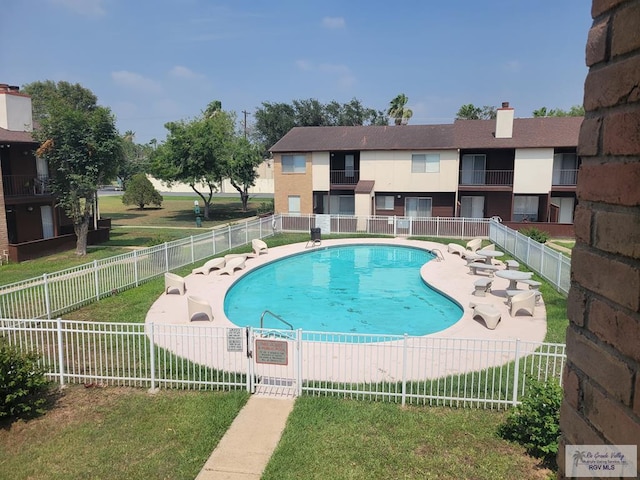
{"points": [[118, 433]]}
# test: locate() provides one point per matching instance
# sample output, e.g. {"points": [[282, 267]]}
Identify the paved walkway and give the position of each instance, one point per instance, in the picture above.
{"points": [[245, 450]]}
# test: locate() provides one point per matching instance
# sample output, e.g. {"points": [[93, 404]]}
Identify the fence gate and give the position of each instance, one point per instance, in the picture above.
{"points": [[274, 367]]}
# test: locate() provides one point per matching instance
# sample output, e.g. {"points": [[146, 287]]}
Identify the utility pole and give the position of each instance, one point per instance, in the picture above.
{"points": [[245, 122]]}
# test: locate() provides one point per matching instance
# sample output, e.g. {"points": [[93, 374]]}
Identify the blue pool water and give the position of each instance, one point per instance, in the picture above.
{"points": [[369, 289]]}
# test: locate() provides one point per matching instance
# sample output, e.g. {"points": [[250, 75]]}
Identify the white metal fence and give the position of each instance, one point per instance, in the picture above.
{"points": [[550, 264], [403, 369], [450, 227], [54, 294]]}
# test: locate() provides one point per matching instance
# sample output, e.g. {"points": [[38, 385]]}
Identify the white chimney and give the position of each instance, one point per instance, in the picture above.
{"points": [[15, 109], [504, 121]]}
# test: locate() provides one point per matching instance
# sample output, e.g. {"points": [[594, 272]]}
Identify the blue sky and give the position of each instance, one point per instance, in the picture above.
{"points": [[157, 61]]}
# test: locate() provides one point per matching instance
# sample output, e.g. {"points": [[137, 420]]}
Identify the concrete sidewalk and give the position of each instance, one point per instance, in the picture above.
{"points": [[245, 450]]}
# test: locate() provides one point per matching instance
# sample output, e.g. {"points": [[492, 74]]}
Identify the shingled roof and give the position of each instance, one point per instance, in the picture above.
{"points": [[12, 136], [404, 137], [527, 133]]}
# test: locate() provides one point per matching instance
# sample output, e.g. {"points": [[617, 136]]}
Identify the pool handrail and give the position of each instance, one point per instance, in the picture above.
{"points": [[275, 316]]}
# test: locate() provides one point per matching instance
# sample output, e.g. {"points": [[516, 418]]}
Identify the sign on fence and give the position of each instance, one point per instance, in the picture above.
{"points": [[234, 339], [274, 352]]}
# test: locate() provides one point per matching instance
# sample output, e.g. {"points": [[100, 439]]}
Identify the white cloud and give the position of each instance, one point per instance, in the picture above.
{"points": [[304, 65], [135, 81], [333, 22], [90, 8], [185, 73]]}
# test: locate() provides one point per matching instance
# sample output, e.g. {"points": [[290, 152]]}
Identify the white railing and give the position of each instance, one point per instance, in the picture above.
{"points": [[550, 264], [403, 369], [449, 227], [54, 294]]}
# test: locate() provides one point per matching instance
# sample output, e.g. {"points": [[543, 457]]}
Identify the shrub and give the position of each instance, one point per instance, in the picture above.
{"points": [[23, 386], [140, 192], [535, 423], [535, 234], [265, 207]]}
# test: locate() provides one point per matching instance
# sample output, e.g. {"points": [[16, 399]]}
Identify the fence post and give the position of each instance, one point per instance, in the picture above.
{"points": [[463, 235], [47, 301], [166, 256], [404, 369], [516, 373], [260, 228], [96, 279], [135, 267], [152, 355], [395, 226], [299, 365], [213, 241], [229, 232], [60, 352], [193, 260], [246, 231]]}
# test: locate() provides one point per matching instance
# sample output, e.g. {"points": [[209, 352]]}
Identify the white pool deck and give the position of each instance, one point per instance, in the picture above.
{"points": [[450, 276]]}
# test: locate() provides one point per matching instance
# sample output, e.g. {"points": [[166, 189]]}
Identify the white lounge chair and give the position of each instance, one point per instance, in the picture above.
{"points": [[474, 244], [233, 264], [209, 265], [198, 308], [490, 314], [523, 301], [455, 248], [482, 286], [259, 246], [174, 282]]}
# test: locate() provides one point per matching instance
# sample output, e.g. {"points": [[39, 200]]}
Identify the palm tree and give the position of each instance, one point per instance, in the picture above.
{"points": [[398, 110]]}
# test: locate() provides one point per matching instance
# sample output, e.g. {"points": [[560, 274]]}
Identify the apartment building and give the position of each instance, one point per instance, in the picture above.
{"points": [[30, 222], [520, 169]]}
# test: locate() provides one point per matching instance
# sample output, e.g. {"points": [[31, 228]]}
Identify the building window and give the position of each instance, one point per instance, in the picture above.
{"points": [[294, 164], [425, 163], [525, 208], [384, 202], [565, 169], [418, 207], [294, 203], [473, 169]]}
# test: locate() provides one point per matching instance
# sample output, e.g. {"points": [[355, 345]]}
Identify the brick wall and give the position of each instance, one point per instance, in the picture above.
{"points": [[286, 184], [602, 378]]}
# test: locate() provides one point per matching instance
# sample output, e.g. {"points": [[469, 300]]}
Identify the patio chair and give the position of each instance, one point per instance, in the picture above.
{"points": [[482, 286], [523, 301], [233, 264], [455, 248], [259, 246], [213, 264], [174, 282], [490, 314], [474, 244], [198, 308]]}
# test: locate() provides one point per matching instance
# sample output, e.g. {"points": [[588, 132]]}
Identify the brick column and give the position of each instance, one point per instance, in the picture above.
{"points": [[602, 377]]}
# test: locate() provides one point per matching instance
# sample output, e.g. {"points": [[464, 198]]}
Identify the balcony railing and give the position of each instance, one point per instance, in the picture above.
{"points": [[344, 177], [486, 177], [25, 185], [565, 177]]}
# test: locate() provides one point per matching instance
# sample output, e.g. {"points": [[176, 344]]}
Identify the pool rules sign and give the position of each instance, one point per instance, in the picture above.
{"points": [[273, 352]]}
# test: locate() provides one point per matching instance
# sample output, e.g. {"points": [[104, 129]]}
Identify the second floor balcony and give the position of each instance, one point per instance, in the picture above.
{"points": [[567, 177], [486, 177], [344, 177], [25, 185]]}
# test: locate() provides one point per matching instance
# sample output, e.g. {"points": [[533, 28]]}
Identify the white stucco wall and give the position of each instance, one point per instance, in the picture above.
{"points": [[15, 113], [320, 171], [533, 170], [391, 171]]}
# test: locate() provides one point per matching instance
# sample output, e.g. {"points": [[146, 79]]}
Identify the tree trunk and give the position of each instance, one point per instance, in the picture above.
{"points": [[81, 230], [244, 197]]}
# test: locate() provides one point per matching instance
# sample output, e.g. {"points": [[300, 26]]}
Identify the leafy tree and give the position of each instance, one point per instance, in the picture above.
{"points": [[399, 111], [136, 158], [241, 167], [274, 120], [471, 112], [574, 111], [195, 152], [140, 191], [80, 142]]}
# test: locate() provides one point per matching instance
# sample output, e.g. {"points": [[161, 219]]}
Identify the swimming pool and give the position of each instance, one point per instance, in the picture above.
{"points": [[368, 289]]}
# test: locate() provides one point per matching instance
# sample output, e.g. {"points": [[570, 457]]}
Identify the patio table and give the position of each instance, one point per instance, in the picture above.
{"points": [[514, 276], [490, 254]]}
